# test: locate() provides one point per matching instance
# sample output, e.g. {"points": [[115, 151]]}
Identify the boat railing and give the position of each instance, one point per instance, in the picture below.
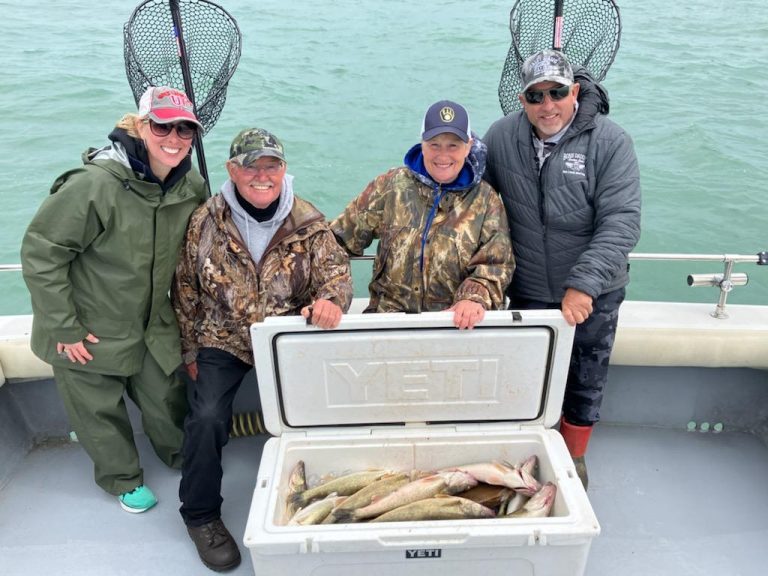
{"points": [[726, 281]]}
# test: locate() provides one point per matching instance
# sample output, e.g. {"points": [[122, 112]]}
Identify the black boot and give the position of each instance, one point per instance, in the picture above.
{"points": [[215, 545]]}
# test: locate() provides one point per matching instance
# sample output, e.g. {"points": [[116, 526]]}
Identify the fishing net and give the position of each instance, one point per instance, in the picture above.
{"points": [[590, 38], [213, 46]]}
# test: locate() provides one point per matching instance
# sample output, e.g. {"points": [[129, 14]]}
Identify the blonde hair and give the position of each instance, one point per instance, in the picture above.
{"points": [[128, 123]]}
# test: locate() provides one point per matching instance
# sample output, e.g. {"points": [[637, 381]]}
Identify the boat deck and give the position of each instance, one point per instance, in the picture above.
{"points": [[670, 503]]}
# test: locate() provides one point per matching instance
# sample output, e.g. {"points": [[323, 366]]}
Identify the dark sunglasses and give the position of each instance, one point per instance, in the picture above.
{"points": [[184, 130], [537, 96]]}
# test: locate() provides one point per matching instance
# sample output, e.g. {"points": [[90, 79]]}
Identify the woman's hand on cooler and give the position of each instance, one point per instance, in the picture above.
{"points": [[466, 314]]}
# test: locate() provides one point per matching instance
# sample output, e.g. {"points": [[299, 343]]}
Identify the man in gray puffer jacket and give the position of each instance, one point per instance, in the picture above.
{"points": [[570, 183]]}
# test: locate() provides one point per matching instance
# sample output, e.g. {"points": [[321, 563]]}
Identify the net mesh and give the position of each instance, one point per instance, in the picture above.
{"points": [[590, 38], [213, 45]]}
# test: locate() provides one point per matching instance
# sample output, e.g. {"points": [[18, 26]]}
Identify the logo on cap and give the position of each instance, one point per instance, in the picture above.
{"points": [[546, 65], [177, 98], [447, 114], [164, 104]]}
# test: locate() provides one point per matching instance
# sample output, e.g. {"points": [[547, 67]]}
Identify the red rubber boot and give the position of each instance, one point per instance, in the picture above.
{"points": [[576, 439]]}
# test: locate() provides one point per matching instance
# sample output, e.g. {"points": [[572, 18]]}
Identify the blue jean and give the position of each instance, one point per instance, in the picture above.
{"points": [[206, 432]]}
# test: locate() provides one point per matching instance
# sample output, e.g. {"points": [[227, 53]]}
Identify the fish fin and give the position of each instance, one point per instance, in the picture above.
{"points": [[344, 516], [298, 500], [330, 519]]}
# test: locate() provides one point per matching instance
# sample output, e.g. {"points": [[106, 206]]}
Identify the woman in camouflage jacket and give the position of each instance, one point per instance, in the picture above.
{"points": [[443, 233]]}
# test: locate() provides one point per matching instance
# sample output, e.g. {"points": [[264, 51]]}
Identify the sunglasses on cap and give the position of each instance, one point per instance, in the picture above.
{"points": [[537, 96], [184, 130]]}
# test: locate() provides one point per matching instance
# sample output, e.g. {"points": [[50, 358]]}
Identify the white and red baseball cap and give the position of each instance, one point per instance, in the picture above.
{"points": [[164, 105]]}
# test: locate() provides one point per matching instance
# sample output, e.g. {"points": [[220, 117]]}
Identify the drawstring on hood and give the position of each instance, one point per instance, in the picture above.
{"points": [[257, 235]]}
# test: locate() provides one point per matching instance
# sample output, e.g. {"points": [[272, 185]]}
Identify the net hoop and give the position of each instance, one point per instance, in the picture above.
{"points": [[590, 35]]}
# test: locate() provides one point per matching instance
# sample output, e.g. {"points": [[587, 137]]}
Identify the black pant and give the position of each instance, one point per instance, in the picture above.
{"points": [[206, 432], [592, 346]]}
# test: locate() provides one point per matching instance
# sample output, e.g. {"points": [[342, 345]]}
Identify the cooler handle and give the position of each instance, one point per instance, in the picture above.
{"points": [[434, 541]]}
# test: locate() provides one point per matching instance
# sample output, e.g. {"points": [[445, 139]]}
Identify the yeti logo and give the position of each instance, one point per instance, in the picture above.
{"points": [[414, 553]]}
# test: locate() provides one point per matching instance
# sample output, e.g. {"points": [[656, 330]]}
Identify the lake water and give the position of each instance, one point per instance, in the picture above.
{"points": [[345, 85]]}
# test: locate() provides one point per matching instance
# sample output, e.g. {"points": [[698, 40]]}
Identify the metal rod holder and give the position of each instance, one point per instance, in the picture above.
{"points": [[725, 281]]}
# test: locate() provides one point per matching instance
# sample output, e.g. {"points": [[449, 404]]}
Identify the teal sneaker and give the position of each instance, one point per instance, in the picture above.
{"points": [[139, 500]]}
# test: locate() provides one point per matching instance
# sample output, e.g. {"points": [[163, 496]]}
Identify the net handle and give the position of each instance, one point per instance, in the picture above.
{"points": [[557, 33], [190, 91]]}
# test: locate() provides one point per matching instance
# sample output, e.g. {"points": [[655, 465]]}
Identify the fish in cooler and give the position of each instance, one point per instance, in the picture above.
{"points": [[447, 482], [378, 489], [476, 490], [440, 507], [317, 511], [343, 486], [297, 483], [538, 505], [518, 478]]}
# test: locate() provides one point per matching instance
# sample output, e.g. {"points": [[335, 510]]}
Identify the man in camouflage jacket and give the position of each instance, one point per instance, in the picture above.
{"points": [[253, 251], [443, 234]]}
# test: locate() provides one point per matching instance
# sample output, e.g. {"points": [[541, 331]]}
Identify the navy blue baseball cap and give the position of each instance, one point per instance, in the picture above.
{"points": [[446, 116]]}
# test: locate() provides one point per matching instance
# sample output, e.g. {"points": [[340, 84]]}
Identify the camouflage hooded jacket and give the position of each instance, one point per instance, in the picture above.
{"points": [[438, 244], [219, 290]]}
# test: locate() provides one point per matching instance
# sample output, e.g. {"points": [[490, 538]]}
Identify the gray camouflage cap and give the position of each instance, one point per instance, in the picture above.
{"points": [[546, 66], [253, 143]]}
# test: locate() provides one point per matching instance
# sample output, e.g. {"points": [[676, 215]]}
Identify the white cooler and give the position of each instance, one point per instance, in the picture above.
{"points": [[411, 392]]}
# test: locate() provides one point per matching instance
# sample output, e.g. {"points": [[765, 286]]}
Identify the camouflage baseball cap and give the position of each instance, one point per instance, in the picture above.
{"points": [[253, 143], [546, 66]]}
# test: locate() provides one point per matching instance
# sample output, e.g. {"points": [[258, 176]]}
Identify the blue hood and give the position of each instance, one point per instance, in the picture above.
{"points": [[470, 175]]}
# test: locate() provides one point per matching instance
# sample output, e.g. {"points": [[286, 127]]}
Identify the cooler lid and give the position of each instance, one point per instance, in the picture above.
{"points": [[397, 369]]}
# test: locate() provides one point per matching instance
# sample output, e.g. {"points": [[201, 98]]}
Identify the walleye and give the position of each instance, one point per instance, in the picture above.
{"points": [[316, 512], [343, 486], [297, 483], [446, 482], [500, 474], [440, 507], [513, 504], [380, 488], [539, 504], [488, 494]]}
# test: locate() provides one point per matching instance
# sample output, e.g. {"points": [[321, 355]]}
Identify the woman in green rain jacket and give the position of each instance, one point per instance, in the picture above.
{"points": [[98, 259]]}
